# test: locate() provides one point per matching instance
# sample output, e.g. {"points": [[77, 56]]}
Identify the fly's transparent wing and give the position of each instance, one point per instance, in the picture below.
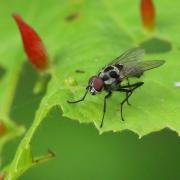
{"points": [[132, 55], [136, 69]]}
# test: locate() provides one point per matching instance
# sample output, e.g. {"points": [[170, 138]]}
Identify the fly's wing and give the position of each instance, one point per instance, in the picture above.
{"points": [[132, 55], [136, 69]]}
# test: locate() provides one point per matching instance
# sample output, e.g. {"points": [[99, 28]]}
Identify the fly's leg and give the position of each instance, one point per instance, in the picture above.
{"points": [[127, 93], [104, 108], [122, 103], [82, 99], [128, 89], [132, 86], [128, 103]]}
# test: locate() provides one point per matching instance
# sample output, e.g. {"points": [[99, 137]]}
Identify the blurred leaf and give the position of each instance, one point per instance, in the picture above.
{"points": [[10, 69], [85, 35]]}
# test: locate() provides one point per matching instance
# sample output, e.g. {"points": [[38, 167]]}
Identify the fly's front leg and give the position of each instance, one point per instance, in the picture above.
{"points": [[104, 108], [82, 99]]}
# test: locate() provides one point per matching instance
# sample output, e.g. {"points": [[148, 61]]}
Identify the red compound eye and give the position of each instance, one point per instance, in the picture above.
{"points": [[97, 83]]}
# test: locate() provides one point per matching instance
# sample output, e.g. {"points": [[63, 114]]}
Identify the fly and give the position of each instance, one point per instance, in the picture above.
{"points": [[128, 65]]}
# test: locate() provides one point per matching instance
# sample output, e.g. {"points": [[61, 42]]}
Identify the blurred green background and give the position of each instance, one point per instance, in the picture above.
{"points": [[83, 154]]}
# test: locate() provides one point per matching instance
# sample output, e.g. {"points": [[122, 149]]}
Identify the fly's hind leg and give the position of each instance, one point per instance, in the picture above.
{"points": [[129, 89], [127, 93]]}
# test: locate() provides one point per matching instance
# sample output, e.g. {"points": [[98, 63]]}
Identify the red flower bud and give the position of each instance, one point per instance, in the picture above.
{"points": [[148, 14], [2, 129], [33, 45]]}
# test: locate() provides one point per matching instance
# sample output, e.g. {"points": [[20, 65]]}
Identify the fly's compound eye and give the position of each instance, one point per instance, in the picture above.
{"points": [[96, 84], [113, 74]]}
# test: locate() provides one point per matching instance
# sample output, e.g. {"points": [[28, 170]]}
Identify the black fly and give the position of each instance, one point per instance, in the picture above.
{"points": [[126, 66]]}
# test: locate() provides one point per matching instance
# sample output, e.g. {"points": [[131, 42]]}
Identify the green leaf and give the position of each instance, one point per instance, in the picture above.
{"points": [[86, 35]]}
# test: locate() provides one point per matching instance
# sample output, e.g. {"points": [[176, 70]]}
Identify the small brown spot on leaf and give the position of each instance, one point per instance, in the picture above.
{"points": [[79, 71], [72, 16]]}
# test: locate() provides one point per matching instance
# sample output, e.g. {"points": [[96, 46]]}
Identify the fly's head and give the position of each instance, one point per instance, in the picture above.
{"points": [[96, 85]]}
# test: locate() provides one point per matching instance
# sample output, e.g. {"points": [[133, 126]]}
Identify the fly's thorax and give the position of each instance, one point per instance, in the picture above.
{"points": [[96, 85], [111, 74]]}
